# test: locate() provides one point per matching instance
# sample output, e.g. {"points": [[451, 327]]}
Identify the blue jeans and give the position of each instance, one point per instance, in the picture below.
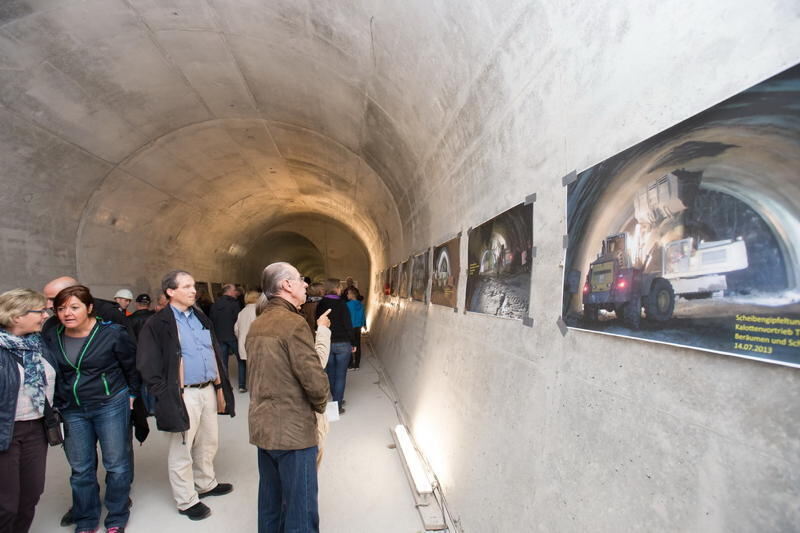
{"points": [[232, 347], [338, 362], [287, 491], [109, 424]]}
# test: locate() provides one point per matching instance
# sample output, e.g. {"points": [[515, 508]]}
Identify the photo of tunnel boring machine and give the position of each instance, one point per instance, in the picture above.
{"points": [[446, 271]]}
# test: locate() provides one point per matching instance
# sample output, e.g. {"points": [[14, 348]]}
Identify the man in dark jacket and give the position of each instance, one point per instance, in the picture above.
{"points": [[223, 314], [142, 313], [181, 363]]}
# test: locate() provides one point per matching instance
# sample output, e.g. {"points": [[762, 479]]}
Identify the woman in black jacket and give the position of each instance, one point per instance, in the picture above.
{"points": [[97, 363], [341, 339], [27, 380]]}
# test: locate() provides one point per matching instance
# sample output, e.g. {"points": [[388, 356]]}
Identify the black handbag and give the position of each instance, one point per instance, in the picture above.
{"points": [[52, 418], [52, 424]]}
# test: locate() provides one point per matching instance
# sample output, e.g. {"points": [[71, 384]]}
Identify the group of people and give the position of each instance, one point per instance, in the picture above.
{"points": [[347, 320], [66, 355]]}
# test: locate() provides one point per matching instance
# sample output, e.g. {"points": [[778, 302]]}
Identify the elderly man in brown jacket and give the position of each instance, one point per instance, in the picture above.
{"points": [[288, 386]]}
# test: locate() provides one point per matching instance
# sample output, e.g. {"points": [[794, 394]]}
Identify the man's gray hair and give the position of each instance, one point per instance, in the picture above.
{"points": [[271, 280], [170, 280]]}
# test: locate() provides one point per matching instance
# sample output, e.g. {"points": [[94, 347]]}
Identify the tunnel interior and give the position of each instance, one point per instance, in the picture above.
{"points": [[140, 136]]}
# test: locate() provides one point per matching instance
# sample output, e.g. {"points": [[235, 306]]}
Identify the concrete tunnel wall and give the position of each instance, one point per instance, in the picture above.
{"points": [[140, 135]]}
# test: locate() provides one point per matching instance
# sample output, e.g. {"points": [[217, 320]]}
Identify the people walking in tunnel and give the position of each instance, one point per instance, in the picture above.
{"points": [[309, 309], [203, 300], [182, 364], [287, 386], [98, 384], [241, 328], [224, 313], [341, 339], [357, 319], [27, 385]]}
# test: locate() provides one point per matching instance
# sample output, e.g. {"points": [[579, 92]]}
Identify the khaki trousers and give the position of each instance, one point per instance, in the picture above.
{"points": [[322, 433], [191, 454]]}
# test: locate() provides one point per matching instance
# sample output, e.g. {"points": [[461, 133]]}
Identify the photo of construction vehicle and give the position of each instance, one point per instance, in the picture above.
{"points": [[692, 237], [636, 272]]}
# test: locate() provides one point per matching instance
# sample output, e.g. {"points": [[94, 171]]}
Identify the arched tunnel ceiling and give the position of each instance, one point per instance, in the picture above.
{"points": [[186, 127]]}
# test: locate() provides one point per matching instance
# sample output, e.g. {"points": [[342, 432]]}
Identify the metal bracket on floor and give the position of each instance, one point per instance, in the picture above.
{"points": [[569, 178], [527, 321], [562, 326]]}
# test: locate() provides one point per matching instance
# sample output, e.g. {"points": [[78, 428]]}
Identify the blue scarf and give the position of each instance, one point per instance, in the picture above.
{"points": [[29, 349]]}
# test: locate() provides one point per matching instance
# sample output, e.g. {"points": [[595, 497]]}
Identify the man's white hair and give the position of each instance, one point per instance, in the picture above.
{"points": [[271, 280]]}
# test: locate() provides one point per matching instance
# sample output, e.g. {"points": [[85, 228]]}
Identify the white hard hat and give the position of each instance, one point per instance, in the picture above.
{"points": [[124, 293]]}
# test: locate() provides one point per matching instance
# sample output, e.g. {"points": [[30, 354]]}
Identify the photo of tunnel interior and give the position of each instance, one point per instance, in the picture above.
{"points": [[499, 260], [386, 283], [446, 270], [404, 280], [394, 280], [419, 276], [691, 237]]}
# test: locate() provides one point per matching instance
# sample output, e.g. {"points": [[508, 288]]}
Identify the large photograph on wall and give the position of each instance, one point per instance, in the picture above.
{"points": [[691, 237], [446, 269], [404, 280], [419, 276], [499, 259]]}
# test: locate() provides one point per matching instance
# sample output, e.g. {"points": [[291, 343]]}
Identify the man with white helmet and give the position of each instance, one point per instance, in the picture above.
{"points": [[124, 297]]}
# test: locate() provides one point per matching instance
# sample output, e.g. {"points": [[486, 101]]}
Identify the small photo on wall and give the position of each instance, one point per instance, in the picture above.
{"points": [[446, 270], [394, 280], [419, 276], [386, 282], [404, 279], [499, 268]]}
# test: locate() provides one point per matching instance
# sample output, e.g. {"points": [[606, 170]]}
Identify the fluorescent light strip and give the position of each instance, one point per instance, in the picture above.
{"points": [[409, 453]]}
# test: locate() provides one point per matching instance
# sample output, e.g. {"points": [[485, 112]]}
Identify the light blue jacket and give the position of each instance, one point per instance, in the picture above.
{"points": [[356, 309]]}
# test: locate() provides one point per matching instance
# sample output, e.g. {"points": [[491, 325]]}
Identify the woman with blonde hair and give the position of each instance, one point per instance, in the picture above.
{"points": [[27, 382], [240, 329]]}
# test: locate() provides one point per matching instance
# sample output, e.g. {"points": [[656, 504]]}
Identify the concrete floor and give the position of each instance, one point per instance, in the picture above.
{"points": [[362, 484]]}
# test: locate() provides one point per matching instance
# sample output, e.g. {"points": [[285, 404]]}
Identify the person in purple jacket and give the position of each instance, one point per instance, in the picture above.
{"points": [[341, 339]]}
